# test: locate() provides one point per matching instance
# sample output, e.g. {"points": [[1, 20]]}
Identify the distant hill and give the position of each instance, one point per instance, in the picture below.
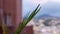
{"points": [[48, 19], [43, 16]]}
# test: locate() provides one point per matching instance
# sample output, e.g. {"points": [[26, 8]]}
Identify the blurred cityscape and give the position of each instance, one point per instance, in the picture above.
{"points": [[46, 25]]}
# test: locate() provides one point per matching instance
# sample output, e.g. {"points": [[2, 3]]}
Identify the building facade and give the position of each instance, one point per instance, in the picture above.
{"points": [[11, 14]]}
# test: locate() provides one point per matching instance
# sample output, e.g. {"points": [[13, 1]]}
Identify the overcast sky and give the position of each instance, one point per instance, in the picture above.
{"points": [[51, 7]]}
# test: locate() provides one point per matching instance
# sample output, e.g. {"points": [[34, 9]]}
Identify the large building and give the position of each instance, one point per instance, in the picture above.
{"points": [[11, 14]]}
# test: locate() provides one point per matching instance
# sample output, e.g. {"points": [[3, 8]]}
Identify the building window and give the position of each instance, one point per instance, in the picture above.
{"points": [[6, 19]]}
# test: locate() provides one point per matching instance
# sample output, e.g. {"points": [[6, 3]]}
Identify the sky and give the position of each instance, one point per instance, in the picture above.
{"points": [[50, 7]]}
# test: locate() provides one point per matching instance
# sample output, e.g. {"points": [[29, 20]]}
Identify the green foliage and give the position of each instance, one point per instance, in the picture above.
{"points": [[25, 21]]}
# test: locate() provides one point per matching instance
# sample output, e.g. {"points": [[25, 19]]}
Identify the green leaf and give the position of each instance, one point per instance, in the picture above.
{"points": [[25, 21]]}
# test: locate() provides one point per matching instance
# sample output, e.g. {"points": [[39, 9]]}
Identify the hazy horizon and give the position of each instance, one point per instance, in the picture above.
{"points": [[51, 7]]}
